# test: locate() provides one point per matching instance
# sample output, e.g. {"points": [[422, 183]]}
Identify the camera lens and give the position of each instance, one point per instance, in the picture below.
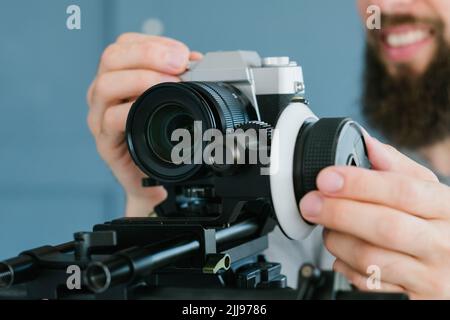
{"points": [[324, 143], [166, 107], [166, 120]]}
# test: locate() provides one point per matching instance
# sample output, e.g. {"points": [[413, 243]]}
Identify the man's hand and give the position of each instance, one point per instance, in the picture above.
{"points": [[396, 217], [127, 68]]}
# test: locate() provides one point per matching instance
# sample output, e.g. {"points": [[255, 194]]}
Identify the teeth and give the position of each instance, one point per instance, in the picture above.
{"points": [[405, 39]]}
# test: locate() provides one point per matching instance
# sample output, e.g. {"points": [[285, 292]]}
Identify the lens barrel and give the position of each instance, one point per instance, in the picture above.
{"points": [[193, 106], [326, 142]]}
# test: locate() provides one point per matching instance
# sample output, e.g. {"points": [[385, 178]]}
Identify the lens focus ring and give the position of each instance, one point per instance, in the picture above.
{"points": [[327, 142], [233, 106]]}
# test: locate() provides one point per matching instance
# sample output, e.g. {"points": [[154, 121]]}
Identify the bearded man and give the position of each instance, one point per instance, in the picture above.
{"points": [[395, 217]]}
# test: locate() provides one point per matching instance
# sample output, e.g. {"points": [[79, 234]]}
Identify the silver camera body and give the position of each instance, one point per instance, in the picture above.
{"points": [[252, 75], [275, 87]]}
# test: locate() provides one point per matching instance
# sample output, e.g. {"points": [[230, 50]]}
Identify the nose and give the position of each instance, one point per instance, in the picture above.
{"points": [[396, 6]]}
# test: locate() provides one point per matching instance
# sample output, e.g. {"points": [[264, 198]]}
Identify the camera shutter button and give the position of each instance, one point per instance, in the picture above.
{"points": [[275, 61]]}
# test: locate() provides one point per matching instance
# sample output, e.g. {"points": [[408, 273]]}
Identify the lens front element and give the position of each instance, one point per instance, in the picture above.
{"points": [[162, 124]]}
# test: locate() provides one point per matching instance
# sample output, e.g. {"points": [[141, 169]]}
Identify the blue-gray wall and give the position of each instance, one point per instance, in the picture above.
{"points": [[51, 180]]}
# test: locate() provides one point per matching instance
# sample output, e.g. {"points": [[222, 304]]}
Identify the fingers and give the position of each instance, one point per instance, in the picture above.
{"points": [[110, 138], [115, 119], [119, 85], [129, 37], [363, 282], [114, 87], [425, 199], [130, 66], [165, 56], [379, 225], [127, 68], [195, 56], [386, 158], [394, 267]]}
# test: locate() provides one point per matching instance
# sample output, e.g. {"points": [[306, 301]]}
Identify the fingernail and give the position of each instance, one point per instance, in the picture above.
{"points": [[311, 205], [176, 59], [330, 181], [367, 134]]}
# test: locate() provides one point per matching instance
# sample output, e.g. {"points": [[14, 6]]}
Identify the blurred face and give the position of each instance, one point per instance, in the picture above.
{"points": [[407, 71], [411, 30]]}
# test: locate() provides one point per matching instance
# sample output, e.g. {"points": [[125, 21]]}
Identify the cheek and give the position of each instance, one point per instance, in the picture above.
{"points": [[363, 5], [442, 7]]}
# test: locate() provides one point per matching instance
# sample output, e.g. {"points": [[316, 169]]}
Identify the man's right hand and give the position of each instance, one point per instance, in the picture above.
{"points": [[131, 65]]}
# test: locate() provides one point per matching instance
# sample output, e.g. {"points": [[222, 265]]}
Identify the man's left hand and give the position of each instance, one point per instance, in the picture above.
{"points": [[395, 217]]}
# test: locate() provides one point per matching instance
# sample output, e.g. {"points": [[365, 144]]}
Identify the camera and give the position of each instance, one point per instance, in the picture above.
{"points": [[236, 147], [256, 104]]}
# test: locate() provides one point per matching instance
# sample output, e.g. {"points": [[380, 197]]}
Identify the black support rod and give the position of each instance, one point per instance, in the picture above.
{"points": [[25, 267], [140, 261]]}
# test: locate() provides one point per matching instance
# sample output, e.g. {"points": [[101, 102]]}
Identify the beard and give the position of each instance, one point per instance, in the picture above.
{"points": [[411, 110]]}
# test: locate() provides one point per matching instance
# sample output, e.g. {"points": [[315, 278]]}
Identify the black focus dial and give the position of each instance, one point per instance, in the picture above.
{"points": [[327, 142]]}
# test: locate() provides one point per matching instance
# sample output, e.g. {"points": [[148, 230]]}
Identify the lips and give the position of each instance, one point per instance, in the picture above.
{"points": [[403, 43]]}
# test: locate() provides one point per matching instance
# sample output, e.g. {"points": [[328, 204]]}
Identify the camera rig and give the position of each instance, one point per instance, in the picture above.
{"points": [[206, 239], [144, 258]]}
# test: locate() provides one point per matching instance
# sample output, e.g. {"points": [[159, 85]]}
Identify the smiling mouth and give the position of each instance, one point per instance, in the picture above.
{"points": [[403, 42]]}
